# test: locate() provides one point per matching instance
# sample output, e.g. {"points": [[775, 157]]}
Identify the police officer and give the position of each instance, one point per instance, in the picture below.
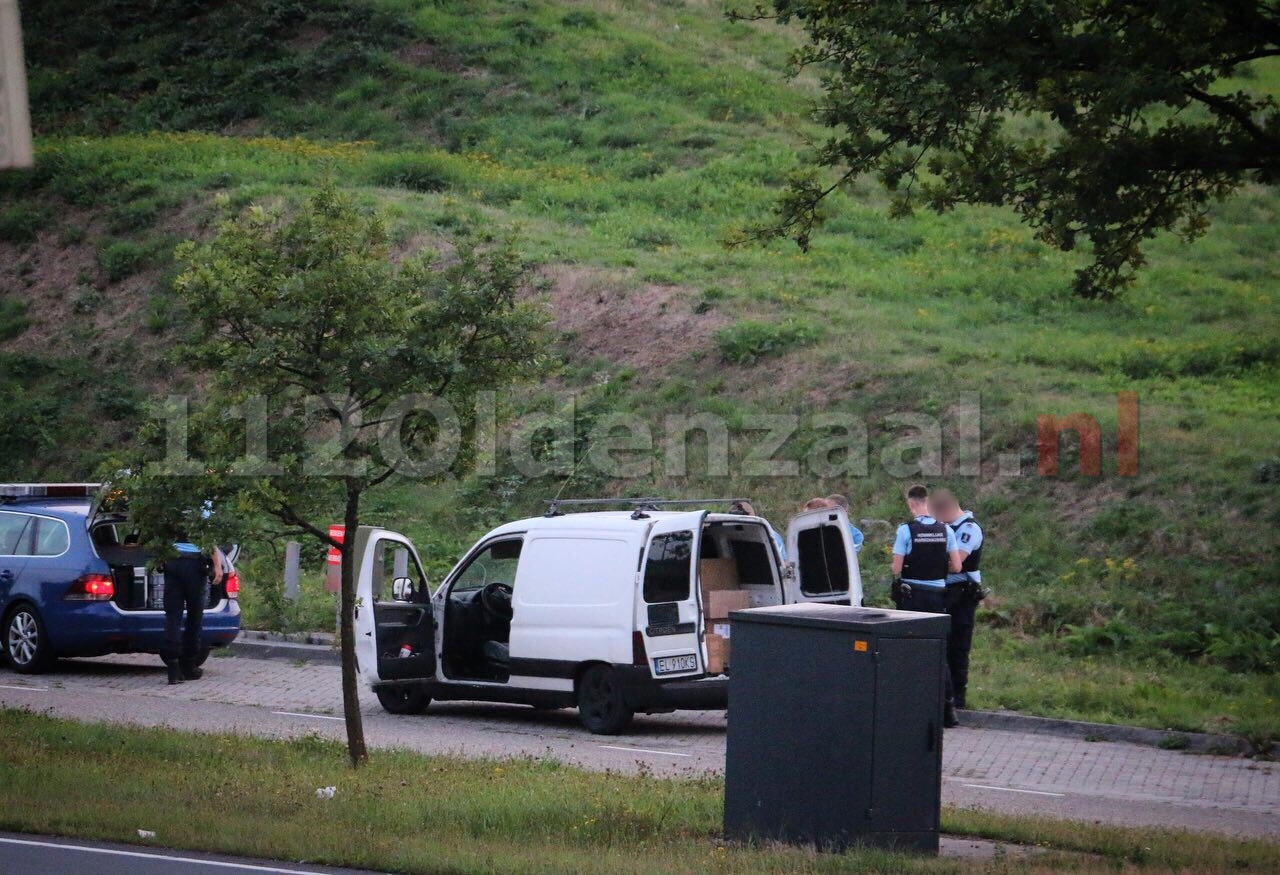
{"points": [[924, 553], [838, 500], [964, 588], [186, 577]]}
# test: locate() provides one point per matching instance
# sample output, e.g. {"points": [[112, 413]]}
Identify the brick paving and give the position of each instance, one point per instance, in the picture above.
{"points": [[997, 769]]}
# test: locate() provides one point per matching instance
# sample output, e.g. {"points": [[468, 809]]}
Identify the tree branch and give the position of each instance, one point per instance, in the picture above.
{"points": [[1224, 107]]}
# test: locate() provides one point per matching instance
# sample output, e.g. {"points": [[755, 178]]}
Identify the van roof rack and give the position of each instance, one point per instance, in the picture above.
{"points": [[11, 492], [638, 505]]}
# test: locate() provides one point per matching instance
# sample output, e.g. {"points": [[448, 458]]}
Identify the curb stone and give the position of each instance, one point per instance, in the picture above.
{"points": [[1190, 742], [321, 647], [312, 647]]}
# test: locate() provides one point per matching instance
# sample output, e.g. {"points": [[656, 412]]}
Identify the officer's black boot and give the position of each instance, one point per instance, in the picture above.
{"points": [[191, 671], [175, 671], [959, 700], [949, 719]]}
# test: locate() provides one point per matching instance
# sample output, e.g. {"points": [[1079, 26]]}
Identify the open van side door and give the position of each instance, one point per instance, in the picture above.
{"points": [[394, 622], [820, 547], [669, 605]]}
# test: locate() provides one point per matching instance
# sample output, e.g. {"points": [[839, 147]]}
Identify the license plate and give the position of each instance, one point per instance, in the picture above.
{"points": [[675, 664]]}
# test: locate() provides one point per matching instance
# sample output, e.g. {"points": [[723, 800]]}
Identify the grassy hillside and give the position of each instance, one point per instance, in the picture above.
{"points": [[624, 142]]}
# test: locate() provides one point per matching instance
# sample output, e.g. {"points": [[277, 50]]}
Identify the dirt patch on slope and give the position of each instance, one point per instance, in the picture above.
{"points": [[615, 316]]}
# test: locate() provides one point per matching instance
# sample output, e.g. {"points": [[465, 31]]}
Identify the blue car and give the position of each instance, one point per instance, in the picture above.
{"points": [[71, 584]]}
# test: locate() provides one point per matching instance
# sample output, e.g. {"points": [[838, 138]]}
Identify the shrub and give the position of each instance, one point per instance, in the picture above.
{"points": [[20, 224], [13, 318], [652, 238], [123, 259], [419, 173], [749, 340], [1115, 634]]}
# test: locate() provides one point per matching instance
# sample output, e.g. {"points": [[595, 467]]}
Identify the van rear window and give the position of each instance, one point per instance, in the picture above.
{"points": [[824, 567], [668, 572]]}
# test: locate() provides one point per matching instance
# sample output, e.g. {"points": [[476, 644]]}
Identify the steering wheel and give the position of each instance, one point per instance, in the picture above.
{"points": [[495, 598]]}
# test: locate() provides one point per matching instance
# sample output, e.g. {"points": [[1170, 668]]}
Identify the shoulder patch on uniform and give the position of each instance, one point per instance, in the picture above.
{"points": [[965, 538]]}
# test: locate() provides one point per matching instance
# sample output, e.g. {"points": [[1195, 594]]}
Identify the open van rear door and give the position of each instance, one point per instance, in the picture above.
{"points": [[669, 606], [395, 625], [820, 546]]}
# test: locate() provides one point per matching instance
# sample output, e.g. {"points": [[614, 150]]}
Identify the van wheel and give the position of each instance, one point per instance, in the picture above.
{"points": [[25, 641], [602, 707], [403, 699]]}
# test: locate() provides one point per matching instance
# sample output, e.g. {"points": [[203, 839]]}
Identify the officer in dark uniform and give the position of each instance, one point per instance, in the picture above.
{"points": [[924, 552], [186, 579], [964, 588]]}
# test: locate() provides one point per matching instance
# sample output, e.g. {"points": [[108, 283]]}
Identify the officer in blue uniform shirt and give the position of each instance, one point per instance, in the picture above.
{"points": [[854, 531], [964, 588], [187, 574], [747, 509], [925, 551]]}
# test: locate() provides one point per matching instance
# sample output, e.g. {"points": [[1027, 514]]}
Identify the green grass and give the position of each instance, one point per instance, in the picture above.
{"points": [[1159, 691], [410, 813], [626, 142]]}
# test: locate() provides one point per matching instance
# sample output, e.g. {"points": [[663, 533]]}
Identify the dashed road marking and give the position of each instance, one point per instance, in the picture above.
{"points": [[661, 753], [312, 716], [24, 689], [1014, 790]]}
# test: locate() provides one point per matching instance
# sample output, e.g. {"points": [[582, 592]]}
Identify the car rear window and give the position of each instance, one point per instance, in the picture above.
{"points": [[52, 537]]}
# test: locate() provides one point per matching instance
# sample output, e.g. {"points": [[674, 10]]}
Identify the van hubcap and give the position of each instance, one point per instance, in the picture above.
{"points": [[601, 698], [24, 638]]}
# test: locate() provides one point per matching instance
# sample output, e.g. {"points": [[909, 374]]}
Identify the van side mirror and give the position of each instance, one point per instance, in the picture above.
{"points": [[402, 589]]}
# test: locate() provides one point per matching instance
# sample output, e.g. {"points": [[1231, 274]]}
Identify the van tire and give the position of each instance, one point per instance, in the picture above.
{"points": [[602, 703], [403, 699]]}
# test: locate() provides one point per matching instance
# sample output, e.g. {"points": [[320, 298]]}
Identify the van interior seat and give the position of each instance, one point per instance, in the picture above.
{"points": [[497, 653]]}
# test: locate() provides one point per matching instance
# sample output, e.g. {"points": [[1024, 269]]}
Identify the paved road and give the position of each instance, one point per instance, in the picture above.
{"points": [[1004, 771], [54, 856]]}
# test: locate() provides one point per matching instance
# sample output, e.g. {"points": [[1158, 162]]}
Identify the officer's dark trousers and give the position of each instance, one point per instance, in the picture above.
{"points": [[181, 593], [931, 602], [962, 607]]}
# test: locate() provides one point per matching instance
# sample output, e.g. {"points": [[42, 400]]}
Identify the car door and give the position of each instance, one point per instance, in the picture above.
{"points": [[394, 622], [824, 563], [670, 603], [15, 537]]}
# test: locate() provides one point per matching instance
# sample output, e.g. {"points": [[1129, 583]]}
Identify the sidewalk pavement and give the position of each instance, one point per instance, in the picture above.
{"points": [[321, 647]]}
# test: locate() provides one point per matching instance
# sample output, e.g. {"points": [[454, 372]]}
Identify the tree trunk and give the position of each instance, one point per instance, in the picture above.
{"points": [[350, 689]]}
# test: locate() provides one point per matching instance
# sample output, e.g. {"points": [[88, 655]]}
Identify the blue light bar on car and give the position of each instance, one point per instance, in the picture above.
{"points": [[49, 490]]}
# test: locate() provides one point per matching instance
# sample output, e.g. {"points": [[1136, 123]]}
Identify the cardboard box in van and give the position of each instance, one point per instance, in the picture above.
{"points": [[717, 653], [720, 602], [717, 574]]}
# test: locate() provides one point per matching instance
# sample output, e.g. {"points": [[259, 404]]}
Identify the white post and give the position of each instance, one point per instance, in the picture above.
{"points": [[292, 569], [15, 115]]}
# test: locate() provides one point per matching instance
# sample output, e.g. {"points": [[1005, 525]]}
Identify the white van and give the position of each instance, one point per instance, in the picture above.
{"points": [[613, 612]]}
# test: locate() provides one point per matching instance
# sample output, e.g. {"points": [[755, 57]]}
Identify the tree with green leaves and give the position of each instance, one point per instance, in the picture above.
{"points": [[1102, 121], [329, 367]]}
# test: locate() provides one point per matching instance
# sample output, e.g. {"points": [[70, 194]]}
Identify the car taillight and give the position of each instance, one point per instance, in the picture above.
{"points": [[92, 588], [638, 655], [233, 585]]}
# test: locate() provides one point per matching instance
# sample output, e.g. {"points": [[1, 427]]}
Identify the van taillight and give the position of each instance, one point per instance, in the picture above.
{"points": [[233, 585], [638, 655], [92, 588]]}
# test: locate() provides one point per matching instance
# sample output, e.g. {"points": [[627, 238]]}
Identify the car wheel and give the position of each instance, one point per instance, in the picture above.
{"points": [[25, 642], [203, 655], [602, 707], [404, 699]]}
